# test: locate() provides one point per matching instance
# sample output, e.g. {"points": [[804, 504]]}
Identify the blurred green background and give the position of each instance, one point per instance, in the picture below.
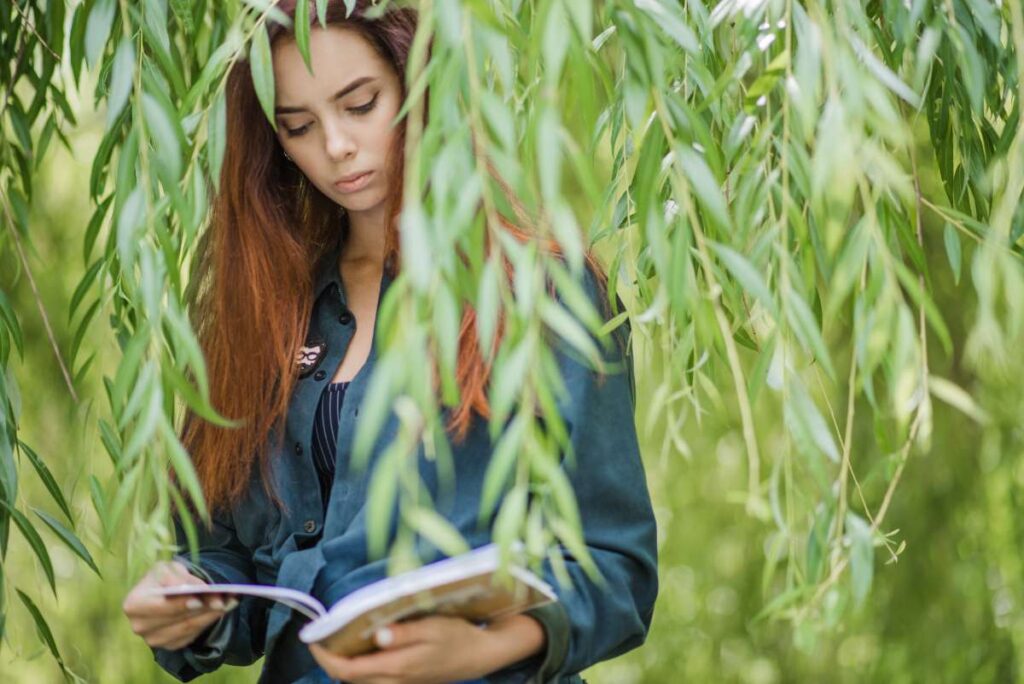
{"points": [[945, 612]]}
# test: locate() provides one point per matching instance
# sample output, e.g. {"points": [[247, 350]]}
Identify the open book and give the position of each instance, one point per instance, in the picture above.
{"points": [[468, 586]]}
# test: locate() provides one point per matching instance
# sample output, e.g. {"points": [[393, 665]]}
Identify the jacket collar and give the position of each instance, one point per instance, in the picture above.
{"points": [[327, 272]]}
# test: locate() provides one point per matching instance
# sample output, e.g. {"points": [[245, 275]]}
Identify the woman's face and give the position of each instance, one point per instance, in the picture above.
{"points": [[335, 123]]}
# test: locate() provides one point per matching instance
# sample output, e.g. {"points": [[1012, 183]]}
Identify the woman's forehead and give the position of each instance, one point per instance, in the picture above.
{"points": [[338, 56]]}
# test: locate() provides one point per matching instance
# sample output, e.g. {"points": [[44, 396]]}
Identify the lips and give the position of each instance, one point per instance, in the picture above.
{"points": [[349, 179], [353, 182]]}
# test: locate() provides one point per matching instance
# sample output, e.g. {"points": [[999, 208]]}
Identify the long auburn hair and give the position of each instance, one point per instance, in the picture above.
{"points": [[252, 291]]}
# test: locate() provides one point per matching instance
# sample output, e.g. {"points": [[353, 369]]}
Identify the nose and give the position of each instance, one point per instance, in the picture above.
{"points": [[338, 143]]}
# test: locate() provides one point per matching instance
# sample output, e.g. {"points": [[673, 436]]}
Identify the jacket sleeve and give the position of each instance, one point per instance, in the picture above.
{"points": [[237, 637], [592, 622]]}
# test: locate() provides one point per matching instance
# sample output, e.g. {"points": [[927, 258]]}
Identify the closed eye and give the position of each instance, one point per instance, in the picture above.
{"points": [[359, 110]]}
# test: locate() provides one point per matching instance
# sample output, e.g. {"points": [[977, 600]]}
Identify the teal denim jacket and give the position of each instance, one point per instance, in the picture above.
{"points": [[325, 555]]}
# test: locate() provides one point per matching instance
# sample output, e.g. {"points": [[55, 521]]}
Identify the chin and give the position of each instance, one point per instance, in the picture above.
{"points": [[359, 203]]}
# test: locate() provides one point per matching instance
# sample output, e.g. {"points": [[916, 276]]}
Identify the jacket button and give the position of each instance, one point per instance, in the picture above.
{"points": [[309, 525], [345, 318], [319, 375], [298, 448]]}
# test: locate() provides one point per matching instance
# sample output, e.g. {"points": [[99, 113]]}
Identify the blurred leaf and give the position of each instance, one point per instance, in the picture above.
{"points": [[35, 542], [262, 70], [69, 538]]}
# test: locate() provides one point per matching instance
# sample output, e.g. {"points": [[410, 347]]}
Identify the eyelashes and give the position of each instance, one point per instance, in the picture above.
{"points": [[360, 110]]}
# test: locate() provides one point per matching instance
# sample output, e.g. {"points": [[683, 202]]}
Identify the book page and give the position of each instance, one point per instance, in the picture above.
{"points": [[296, 600]]}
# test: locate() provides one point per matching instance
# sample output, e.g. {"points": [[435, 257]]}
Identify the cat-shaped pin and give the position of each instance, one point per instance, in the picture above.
{"points": [[309, 356]]}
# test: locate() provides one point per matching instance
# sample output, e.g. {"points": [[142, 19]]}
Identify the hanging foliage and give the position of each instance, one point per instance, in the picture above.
{"points": [[761, 176]]}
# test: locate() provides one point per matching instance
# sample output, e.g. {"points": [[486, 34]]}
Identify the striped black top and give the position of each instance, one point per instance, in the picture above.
{"points": [[325, 435]]}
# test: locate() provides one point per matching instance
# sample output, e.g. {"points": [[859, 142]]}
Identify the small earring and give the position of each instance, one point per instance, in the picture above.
{"points": [[287, 156]]}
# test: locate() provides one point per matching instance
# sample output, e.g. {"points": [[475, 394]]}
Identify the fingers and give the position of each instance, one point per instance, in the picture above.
{"points": [[181, 634], [367, 669], [172, 621], [400, 634], [146, 623]]}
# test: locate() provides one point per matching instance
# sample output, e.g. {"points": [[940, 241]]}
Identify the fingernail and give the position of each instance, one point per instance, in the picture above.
{"points": [[384, 637], [232, 604], [193, 604], [216, 603]]}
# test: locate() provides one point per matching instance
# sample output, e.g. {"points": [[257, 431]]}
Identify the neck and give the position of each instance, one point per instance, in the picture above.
{"points": [[366, 234]]}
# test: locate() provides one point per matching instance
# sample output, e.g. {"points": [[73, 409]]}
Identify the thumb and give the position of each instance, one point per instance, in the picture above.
{"points": [[397, 635]]}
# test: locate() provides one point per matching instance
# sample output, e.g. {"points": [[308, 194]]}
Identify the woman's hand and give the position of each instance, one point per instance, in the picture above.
{"points": [[171, 621], [437, 649]]}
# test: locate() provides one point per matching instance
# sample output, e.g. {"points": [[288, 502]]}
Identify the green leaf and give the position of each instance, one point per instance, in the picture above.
{"points": [[955, 396], [706, 189], [34, 541], [129, 226], [183, 468], [862, 556], [122, 77], [807, 330], [952, 241], [213, 68], [99, 504], [83, 287], [570, 330], [48, 480], [262, 69], [10, 320], [673, 25], [69, 538], [165, 133], [381, 495], [101, 18], [813, 422], [488, 305], [438, 531], [42, 628], [748, 277], [500, 466], [217, 135], [923, 299], [302, 32]]}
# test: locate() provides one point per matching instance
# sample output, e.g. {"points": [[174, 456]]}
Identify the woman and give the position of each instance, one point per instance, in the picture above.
{"points": [[301, 249]]}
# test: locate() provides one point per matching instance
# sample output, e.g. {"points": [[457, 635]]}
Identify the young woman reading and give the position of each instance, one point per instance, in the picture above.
{"points": [[302, 246]]}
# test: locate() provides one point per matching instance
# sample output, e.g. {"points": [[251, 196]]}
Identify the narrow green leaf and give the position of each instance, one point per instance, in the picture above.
{"points": [[42, 628], [122, 76], [952, 241], [101, 19], [34, 541], [48, 480], [438, 531], [807, 330], [69, 538], [217, 135], [958, 398], [862, 556], [706, 189], [748, 277], [11, 322], [183, 468], [381, 494], [164, 132], [302, 32], [262, 69]]}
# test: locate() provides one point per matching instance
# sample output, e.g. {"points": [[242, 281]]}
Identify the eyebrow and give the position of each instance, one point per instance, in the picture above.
{"points": [[337, 96]]}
